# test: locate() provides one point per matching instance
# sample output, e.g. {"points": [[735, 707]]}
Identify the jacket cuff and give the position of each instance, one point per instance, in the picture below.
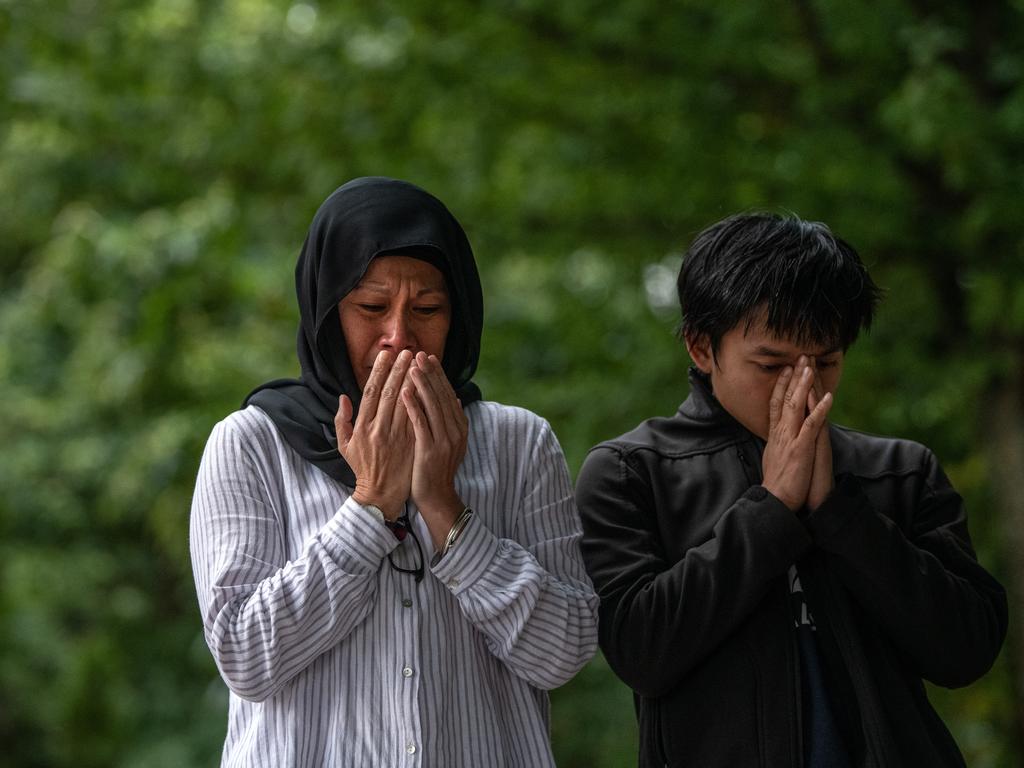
{"points": [[779, 522], [846, 502]]}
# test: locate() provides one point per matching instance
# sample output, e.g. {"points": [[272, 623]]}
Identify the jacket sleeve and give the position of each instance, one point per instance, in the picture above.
{"points": [[529, 595], [265, 618], [922, 585], [659, 618]]}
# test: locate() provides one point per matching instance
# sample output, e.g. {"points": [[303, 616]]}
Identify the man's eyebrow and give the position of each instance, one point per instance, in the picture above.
{"points": [[769, 352], [772, 352]]}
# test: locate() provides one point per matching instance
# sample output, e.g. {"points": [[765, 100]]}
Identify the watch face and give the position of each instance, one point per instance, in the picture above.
{"points": [[375, 511]]}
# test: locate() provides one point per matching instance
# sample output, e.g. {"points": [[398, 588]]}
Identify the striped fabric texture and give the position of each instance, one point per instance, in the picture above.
{"points": [[334, 658]]}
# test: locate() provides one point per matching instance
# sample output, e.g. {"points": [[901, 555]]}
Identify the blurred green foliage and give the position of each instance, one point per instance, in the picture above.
{"points": [[162, 160]]}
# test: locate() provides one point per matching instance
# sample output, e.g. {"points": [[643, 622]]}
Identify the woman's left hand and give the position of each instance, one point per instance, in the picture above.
{"points": [[441, 430]]}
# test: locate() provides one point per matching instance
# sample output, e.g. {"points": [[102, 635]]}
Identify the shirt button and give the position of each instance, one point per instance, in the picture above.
{"points": [[407, 672], [407, 603], [453, 583], [410, 748]]}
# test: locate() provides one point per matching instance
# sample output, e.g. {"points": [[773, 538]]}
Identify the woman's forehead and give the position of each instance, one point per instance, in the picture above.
{"points": [[384, 272]]}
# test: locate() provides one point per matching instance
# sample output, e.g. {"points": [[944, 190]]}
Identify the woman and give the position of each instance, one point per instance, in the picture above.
{"points": [[387, 566]]}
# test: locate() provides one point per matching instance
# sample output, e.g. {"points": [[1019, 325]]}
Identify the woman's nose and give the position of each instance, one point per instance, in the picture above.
{"points": [[397, 333]]}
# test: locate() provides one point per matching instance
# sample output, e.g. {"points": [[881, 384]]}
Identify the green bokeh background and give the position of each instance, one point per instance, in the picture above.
{"points": [[160, 162]]}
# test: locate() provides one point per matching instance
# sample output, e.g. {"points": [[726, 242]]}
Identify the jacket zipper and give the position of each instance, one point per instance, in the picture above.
{"points": [[747, 469], [662, 753], [798, 710], [753, 475], [751, 460]]}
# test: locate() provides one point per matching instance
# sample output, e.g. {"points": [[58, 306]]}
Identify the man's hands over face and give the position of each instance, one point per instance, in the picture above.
{"points": [[797, 462], [822, 477]]}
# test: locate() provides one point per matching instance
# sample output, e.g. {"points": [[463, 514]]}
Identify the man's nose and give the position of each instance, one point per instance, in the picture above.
{"points": [[812, 363]]}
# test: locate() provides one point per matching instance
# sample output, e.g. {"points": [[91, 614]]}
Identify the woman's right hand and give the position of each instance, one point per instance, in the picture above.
{"points": [[379, 447]]}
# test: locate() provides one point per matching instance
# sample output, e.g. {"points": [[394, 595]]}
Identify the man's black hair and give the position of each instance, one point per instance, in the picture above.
{"points": [[813, 285]]}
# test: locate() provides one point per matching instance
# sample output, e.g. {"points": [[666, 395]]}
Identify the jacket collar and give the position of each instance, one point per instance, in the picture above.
{"points": [[701, 404]]}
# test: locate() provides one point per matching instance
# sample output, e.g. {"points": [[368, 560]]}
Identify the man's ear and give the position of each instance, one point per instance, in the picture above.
{"points": [[699, 348]]}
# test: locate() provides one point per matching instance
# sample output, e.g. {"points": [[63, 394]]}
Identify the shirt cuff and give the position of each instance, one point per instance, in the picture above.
{"points": [[469, 558], [355, 535]]}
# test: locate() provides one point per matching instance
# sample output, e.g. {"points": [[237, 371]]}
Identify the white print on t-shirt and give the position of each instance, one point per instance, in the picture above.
{"points": [[801, 613]]}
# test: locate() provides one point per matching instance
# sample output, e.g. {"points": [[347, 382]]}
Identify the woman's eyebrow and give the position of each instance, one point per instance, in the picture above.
{"points": [[378, 287]]}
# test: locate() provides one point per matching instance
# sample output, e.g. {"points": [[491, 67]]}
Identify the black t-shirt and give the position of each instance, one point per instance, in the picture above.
{"points": [[823, 744]]}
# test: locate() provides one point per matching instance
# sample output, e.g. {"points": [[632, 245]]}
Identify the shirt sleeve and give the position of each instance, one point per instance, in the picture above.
{"points": [[919, 580], [660, 618], [530, 595], [265, 618]]}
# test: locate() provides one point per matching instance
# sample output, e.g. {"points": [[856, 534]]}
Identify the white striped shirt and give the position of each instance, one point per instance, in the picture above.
{"points": [[333, 658]]}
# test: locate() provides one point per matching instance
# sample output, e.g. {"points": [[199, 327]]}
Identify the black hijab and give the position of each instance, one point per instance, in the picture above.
{"points": [[361, 220]]}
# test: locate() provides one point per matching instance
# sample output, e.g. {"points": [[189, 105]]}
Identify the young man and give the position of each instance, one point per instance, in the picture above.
{"points": [[775, 588]]}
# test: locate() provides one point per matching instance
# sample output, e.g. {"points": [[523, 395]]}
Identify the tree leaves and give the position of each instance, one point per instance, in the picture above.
{"points": [[162, 160]]}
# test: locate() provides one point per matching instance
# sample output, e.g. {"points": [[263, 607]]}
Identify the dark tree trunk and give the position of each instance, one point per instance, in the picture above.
{"points": [[1006, 446]]}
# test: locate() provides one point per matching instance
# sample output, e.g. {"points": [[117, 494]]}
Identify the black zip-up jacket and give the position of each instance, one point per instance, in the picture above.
{"points": [[689, 554]]}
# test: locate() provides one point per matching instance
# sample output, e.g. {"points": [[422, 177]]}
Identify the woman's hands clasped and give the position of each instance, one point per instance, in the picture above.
{"points": [[408, 440], [379, 446], [441, 430]]}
